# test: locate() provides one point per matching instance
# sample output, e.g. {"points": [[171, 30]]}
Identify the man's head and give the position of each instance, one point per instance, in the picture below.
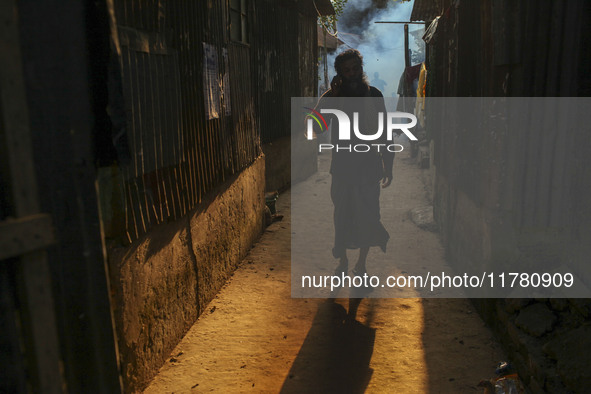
{"points": [[349, 65]]}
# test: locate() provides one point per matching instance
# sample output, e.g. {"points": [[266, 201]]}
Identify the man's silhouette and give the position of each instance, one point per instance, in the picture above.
{"points": [[356, 176]]}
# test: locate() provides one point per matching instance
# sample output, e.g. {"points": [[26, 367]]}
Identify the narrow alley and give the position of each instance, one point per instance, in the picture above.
{"points": [[253, 337], [169, 222]]}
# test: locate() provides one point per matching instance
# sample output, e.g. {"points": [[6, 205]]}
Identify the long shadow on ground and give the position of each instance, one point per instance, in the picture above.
{"points": [[335, 355]]}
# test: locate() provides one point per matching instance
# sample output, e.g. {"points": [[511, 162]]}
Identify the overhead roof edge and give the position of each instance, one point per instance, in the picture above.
{"points": [[324, 7]]}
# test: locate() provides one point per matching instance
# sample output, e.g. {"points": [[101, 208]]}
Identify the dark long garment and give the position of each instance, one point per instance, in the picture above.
{"points": [[355, 190], [356, 215]]}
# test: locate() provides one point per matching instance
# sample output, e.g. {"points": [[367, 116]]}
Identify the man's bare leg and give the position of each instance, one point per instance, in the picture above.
{"points": [[360, 266], [343, 266]]}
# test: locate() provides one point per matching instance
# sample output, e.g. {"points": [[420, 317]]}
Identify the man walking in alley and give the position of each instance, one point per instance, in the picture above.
{"points": [[356, 176]]}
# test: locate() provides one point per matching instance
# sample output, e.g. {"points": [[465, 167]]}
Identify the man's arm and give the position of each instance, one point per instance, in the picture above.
{"points": [[388, 163], [387, 156]]}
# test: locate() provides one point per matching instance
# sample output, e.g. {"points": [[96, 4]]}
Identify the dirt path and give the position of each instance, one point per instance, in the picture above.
{"points": [[255, 338]]}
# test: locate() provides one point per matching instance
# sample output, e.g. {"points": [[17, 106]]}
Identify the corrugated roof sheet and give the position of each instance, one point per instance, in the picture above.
{"points": [[324, 7], [425, 10], [308, 7]]}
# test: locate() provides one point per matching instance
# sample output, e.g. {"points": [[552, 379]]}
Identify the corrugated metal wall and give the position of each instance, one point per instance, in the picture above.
{"points": [[524, 183], [501, 48], [179, 148], [284, 63]]}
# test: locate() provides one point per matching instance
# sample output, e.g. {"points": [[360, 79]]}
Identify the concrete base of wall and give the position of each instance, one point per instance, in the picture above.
{"points": [[162, 283], [547, 340]]}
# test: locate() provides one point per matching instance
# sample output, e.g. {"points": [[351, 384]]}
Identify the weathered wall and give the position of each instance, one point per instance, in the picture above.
{"points": [[547, 340], [506, 196], [510, 191], [518, 199], [286, 31], [188, 141], [163, 281]]}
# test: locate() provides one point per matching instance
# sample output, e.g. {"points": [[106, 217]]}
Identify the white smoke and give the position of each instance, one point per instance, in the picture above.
{"points": [[381, 44]]}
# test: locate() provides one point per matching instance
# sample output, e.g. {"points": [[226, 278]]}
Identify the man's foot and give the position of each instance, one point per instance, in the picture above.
{"points": [[359, 270], [343, 267]]}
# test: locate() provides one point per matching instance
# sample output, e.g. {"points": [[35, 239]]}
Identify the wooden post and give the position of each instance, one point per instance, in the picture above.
{"points": [[406, 47], [37, 310], [326, 81], [65, 47]]}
